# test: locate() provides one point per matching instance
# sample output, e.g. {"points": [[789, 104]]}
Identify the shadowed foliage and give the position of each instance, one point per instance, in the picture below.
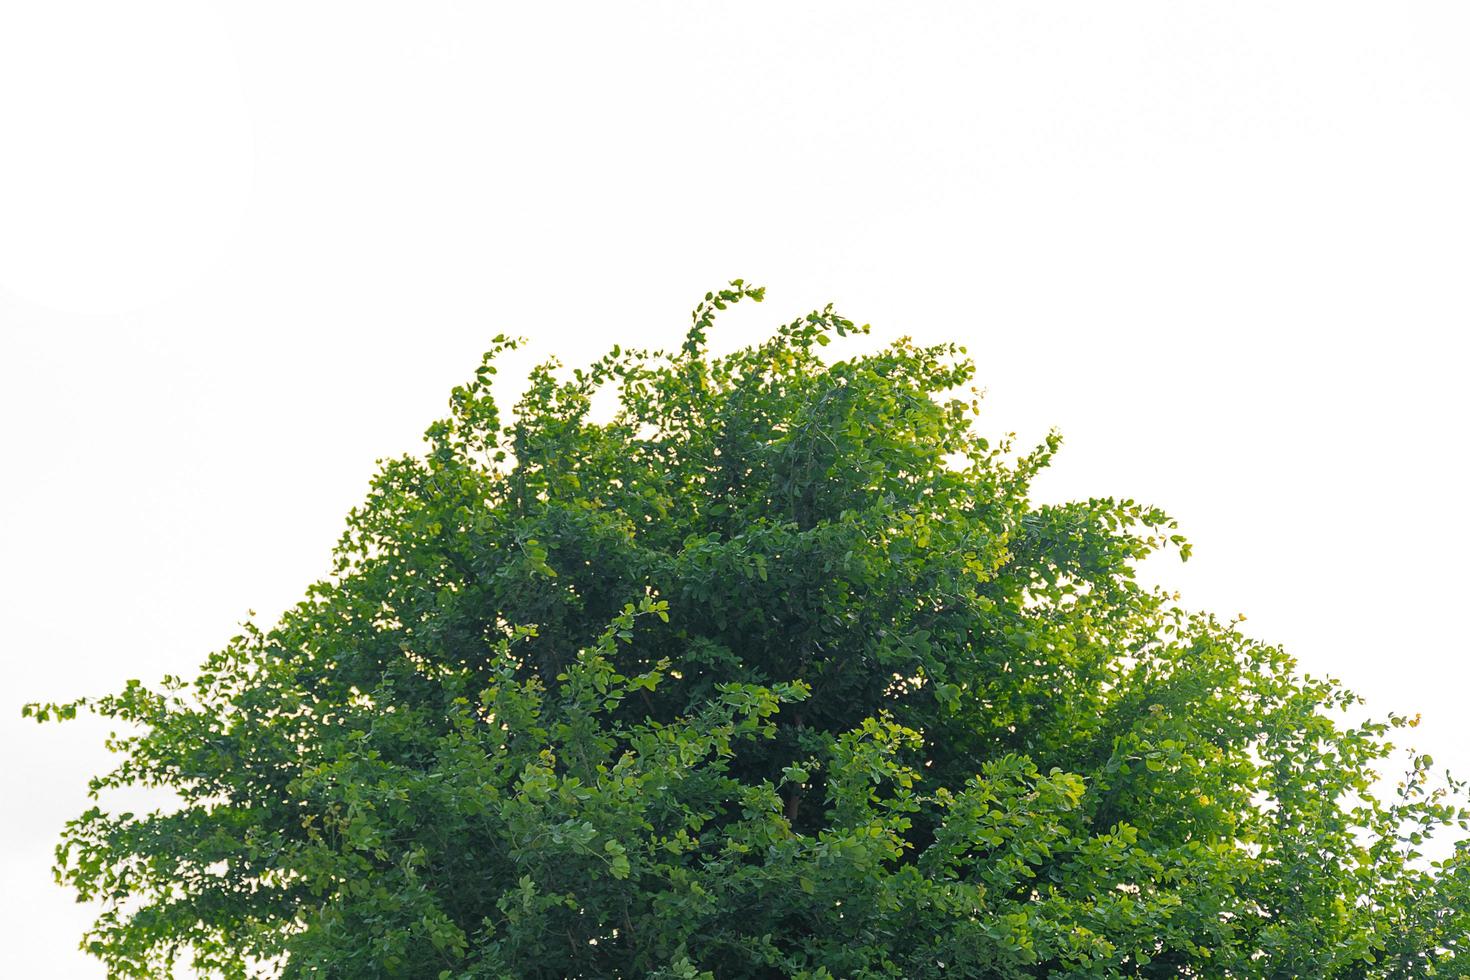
{"points": [[776, 673]]}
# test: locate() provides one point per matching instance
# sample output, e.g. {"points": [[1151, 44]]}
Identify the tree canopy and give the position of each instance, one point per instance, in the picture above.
{"points": [[776, 672]]}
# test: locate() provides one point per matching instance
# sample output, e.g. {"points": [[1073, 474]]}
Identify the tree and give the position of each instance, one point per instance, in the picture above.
{"points": [[777, 673]]}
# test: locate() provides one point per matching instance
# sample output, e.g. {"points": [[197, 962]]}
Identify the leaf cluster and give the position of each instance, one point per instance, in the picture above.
{"points": [[776, 672]]}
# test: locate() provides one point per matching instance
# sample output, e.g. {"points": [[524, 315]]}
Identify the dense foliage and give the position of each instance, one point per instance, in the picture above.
{"points": [[776, 673]]}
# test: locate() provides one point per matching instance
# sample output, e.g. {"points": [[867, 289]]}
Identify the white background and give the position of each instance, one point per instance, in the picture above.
{"points": [[244, 252]]}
